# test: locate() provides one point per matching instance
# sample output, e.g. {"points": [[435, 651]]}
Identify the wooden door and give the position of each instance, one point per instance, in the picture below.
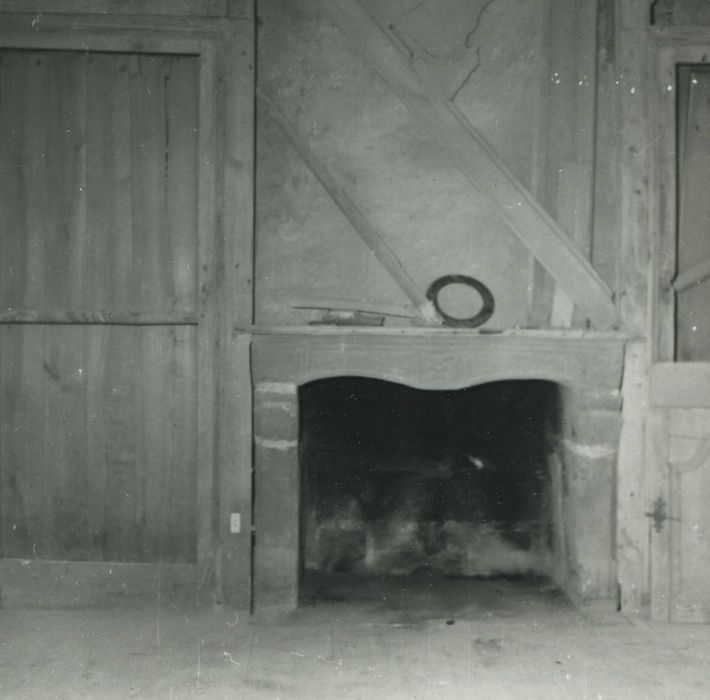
{"points": [[679, 425], [679, 517], [98, 302]]}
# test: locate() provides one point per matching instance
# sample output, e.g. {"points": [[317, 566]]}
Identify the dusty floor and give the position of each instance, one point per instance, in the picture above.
{"points": [[421, 639]]}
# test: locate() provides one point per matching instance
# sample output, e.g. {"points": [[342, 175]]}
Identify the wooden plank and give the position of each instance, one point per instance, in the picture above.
{"points": [[35, 181], [208, 8], [657, 446], [168, 477], [636, 156], [373, 239], [207, 329], [481, 165], [103, 197], [238, 202], [181, 181], [23, 445], [680, 385], [77, 212], [66, 469], [99, 318], [235, 465], [632, 477], [235, 299], [96, 426], [566, 191], [13, 185], [55, 194], [147, 176]]}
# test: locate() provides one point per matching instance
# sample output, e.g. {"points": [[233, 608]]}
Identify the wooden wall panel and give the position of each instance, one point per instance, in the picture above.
{"points": [[98, 450], [101, 181], [99, 443]]}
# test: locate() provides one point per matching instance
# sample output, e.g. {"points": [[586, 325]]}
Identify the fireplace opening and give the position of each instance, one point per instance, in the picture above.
{"points": [[399, 484]]}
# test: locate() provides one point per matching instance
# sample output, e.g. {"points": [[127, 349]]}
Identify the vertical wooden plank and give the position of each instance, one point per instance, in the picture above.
{"points": [[238, 125], [660, 544], [207, 328], [567, 188], [235, 465], [24, 442], [102, 257], [56, 194], [13, 185], [96, 435], [632, 482], [636, 153], [77, 221], [147, 101], [65, 443], [35, 177], [123, 421], [236, 311], [181, 179]]}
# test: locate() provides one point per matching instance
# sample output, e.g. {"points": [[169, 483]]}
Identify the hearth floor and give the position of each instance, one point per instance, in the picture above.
{"points": [[400, 639]]}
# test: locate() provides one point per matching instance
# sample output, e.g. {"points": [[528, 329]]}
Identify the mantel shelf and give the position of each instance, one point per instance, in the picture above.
{"points": [[438, 331]]}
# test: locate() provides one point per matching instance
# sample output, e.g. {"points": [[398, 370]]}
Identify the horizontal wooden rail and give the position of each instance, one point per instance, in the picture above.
{"points": [[99, 318]]}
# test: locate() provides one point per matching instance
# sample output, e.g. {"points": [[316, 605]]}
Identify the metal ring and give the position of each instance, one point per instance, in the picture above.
{"points": [[474, 321]]}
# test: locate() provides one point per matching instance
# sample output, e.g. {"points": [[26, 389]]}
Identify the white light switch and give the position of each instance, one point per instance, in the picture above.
{"points": [[235, 523]]}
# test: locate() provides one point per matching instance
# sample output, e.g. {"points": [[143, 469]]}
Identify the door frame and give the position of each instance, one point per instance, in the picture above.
{"points": [[224, 49]]}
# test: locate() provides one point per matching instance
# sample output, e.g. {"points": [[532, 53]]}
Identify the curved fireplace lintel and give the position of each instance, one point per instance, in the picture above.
{"points": [[440, 360]]}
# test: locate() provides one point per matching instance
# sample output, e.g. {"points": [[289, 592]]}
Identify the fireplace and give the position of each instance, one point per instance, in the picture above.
{"points": [[384, 453], [396, 480]]}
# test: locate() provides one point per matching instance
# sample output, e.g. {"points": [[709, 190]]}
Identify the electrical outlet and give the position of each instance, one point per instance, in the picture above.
{"points": [[235, 523]]}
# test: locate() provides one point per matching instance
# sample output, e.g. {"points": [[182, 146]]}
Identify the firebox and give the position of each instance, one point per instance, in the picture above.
{"points": [[396, 480]]}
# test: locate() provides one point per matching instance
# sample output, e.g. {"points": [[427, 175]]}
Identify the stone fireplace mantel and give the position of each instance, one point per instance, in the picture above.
{"points": [[439, 358], [588, 365]]}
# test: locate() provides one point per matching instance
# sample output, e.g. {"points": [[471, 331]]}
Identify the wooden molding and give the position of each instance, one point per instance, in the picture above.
{"points": [[480, 164], [204, 8]]}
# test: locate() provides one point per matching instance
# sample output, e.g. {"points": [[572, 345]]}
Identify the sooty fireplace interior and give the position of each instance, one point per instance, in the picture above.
{"points": [[396, 479]]}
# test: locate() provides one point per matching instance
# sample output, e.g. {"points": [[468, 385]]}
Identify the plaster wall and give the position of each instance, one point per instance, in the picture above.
{"points": [[491, 57]]}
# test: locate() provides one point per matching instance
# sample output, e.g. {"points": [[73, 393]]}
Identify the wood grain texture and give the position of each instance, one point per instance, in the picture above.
{"points": [[99, 456], [88, 187], [99, 459]]}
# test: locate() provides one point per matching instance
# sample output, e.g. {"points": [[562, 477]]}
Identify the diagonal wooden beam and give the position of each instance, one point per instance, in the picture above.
{"points": [[365, 229], [480, 164]]}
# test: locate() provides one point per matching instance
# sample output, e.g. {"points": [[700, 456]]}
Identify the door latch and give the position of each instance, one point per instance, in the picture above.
{"points": [[659, 514]]}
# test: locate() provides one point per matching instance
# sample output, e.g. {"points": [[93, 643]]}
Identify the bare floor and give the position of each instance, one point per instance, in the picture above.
{"points": [[415, 637]]}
